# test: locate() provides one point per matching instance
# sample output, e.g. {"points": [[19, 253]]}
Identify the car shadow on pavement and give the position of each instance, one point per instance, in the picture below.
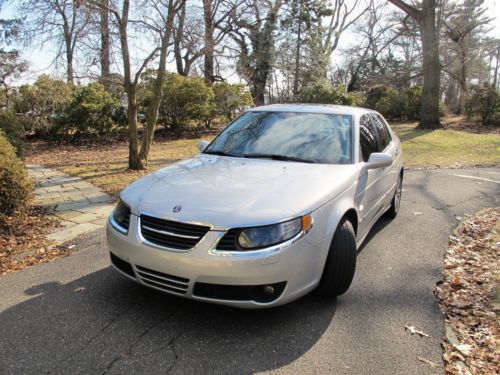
{"points": [[379, 226], [105, 323]]}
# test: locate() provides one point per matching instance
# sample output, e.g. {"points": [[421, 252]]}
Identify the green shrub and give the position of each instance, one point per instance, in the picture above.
{"points": [[392, 105], [484, 102], [40, 105], [90, 113], [323, 92], [230, 99], [396, 104], [359, 98], [15, 185], [413, 98], [186, 101], [374, 95], [13, 130]]}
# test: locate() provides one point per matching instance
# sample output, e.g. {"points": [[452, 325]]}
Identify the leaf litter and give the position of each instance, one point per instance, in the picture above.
{"points": [[469, 296]]}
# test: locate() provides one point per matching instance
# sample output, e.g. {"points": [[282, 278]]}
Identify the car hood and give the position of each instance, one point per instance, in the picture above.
{"points": [[230, 192]]}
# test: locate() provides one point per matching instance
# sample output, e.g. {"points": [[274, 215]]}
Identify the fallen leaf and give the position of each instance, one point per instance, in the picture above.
{"points": [[79, 289], [464, 349], [413, 330], [432, 364], [71, 247]]}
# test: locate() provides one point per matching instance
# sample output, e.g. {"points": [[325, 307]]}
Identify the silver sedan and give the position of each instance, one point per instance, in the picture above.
{"points": [[273, 208]]}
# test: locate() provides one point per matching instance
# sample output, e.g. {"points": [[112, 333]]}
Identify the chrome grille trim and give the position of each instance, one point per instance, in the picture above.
{"points": [[169, 234], [168, 283]]}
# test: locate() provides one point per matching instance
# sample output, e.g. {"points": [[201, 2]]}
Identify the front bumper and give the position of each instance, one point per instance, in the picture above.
{"points": [[296, 266]]}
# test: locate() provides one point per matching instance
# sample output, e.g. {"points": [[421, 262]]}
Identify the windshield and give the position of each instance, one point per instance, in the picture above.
{"points": [[294, 136]]}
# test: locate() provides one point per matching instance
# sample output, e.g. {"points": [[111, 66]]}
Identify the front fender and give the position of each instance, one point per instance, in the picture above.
{"points": [[327, 218]]}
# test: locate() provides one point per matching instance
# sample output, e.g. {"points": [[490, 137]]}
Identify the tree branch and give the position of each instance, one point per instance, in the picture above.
{"points": [[408, 9]]}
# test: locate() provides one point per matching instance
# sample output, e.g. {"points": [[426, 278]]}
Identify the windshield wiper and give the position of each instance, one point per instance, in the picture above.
{"points": [[221, 153], [278, 157]]}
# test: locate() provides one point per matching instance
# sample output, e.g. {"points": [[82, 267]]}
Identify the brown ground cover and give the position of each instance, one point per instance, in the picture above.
{"points": [[470, 296]]}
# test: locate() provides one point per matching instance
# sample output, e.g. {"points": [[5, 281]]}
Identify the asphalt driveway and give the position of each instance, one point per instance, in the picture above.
{"points": [[77, 315]]}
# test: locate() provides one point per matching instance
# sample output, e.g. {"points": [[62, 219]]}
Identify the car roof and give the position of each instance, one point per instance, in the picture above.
{"points": [[312, 108]]}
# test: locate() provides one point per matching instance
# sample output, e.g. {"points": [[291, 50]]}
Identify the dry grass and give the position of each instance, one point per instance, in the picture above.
{"points": [[448, 147], [106, 165]]}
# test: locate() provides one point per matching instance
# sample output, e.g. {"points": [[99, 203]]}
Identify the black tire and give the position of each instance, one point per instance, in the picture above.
{"points": [[392, 212], [340, 263]]}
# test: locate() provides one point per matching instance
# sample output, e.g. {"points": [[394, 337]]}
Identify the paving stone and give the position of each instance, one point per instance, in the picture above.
{"points": [[63, 225], [89, 217], [72, 205], [72, 232], [101, 222], [67, 215], [99, 198], [80, 206], [104, 209]]}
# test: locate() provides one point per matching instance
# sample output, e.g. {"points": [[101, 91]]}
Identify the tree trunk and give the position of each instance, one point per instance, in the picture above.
{"points": [[426, 18], [105, 46], [69, 54], [495, 79], [134, 161], [429, 115], [258, 91], [152, 116], [208, 69], [130, 85], [179, 63], [297, 56]]}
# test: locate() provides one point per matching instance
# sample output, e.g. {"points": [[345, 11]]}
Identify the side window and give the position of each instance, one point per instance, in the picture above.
{"points": [[383, 133], [367, 137]]}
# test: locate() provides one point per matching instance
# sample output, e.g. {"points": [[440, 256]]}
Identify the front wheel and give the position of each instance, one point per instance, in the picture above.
{"points": [[340, 263]]}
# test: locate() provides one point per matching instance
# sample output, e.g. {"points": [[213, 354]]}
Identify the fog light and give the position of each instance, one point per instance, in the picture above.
{"points": [[269, 290]]}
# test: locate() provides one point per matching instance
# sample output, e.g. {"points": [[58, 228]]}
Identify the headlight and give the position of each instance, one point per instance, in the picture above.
{"points": [[121, 215], [259, 237]]}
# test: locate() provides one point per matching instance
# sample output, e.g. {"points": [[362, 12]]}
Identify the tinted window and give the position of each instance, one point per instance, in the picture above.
{"points": [[368, 137], [383, 133], [316, 137]]}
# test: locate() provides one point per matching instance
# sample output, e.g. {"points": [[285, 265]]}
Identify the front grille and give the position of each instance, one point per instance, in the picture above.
{"points": [[172, 234], [168, 283], [230, 240]]}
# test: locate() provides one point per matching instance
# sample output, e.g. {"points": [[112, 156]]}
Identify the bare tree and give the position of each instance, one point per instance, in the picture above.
{"points": [[464, 26], [105, 52], [253, 33], [62, 22], [188, 36], [11, 65], [216, 13], [341, 16], [378, 31], [426, 19], [165, 11], [167, 14]]}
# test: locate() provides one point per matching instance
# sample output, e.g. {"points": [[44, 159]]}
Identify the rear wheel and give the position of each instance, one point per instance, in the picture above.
{"points": [[396, 200], [340, 263]]}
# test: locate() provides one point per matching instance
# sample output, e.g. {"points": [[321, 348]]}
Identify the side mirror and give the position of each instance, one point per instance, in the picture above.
{"points": [[379, 160], [202, 145]]}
